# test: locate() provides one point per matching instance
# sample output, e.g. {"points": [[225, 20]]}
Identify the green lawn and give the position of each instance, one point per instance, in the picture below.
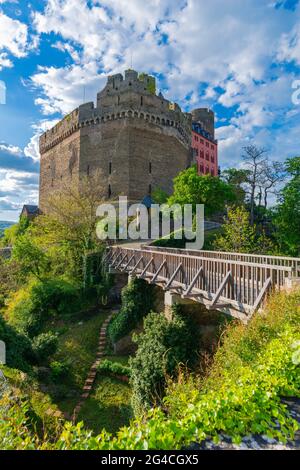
{"points": [[78, 342], [108, 406]]}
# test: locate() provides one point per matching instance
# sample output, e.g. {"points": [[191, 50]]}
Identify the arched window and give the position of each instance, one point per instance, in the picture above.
{"points": [[142, 100]]}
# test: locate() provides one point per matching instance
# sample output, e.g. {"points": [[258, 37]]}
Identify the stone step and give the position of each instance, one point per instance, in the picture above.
{"points": [[89, 381], [85, 395]]}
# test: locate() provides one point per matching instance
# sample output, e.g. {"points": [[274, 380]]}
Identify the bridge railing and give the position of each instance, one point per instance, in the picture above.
{"points": [[242, 284], [286, 261]]}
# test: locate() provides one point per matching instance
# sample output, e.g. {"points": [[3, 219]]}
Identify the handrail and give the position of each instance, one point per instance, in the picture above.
{"points": [[219, 283], [292, 261]]}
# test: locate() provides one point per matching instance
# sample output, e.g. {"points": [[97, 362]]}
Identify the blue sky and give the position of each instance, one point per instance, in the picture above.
{"points": [[240, 57]]}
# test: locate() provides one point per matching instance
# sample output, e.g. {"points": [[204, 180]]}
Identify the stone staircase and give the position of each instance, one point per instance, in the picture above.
{"points": [[88, 385]]}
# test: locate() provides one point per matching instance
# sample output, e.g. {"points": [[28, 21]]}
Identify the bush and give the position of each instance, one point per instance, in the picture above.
{"points": [[44, 346], [18, 346], [137, 301], [30, 308], [162, 347], [59, 369], [113, 368]]}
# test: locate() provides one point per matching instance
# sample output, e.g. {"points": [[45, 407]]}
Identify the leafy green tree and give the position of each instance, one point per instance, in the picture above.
{"points": [[31, 258], [190, 188], [12, 233], [159, 196], [237, 178], [287, 213], [239, 236]]}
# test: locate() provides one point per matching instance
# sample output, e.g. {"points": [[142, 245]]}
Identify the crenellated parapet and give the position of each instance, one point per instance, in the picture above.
{"points": [[133, 137]]}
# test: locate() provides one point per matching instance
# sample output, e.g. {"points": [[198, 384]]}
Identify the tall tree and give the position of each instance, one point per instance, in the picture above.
{"points": [[238, 179], [272, 173], [254, 158]]}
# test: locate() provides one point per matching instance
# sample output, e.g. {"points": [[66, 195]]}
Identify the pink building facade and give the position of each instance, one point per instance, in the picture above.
{"points": [[205, 150]]}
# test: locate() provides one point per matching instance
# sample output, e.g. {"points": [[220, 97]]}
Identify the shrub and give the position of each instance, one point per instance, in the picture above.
{"points": [[44, 346], [137, 301], [32, 306], [113, 368], [59, 369], [18, 346], [162, 347]]}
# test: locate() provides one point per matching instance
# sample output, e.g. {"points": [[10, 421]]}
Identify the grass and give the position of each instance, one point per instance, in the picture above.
{"points": [[77, 345], [108, 407]]}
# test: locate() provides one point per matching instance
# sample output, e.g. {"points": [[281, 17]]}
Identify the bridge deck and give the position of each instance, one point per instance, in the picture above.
{"points": [[235, 286]]}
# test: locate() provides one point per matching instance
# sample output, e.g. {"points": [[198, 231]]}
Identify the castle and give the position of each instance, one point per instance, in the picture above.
{"points": [[134, 141]]}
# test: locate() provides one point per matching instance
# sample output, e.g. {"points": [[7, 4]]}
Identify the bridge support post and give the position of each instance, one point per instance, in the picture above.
{"points": [[171, 299]]}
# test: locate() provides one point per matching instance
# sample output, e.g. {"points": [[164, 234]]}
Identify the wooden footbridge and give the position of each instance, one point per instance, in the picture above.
{"points": [[234, 283]]}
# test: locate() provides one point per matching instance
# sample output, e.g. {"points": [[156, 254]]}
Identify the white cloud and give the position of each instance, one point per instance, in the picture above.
{"points": [[13, 149], [13, 36], [32, 148], [229, 46]]}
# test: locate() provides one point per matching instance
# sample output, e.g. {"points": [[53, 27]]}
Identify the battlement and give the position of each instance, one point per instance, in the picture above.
{"points": [[131, 96]]}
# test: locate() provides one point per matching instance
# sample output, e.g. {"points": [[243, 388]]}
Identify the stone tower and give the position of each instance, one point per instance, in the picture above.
{"points": [[134, 139]]}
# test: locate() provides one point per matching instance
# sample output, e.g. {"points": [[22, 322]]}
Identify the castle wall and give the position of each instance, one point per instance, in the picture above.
{"points": [[134, 140], [59, 168]]}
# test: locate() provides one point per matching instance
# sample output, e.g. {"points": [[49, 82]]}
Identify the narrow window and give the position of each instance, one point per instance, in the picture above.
{"points": [[150, 168], [109, 190], [88, 170], [150, 188], [118, 99], [109, 169]]}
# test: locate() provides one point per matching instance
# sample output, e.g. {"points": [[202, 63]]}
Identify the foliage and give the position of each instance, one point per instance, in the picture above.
{"points": [[287, 213], [32, 259], [68, 231], [162, 347], [11, 234], [238, 235], [113, 368], [238, 179], [44, 346], [59, 369], [32, 306], [254, 367], [137, 301], [190, 188], [159, 196], [18, 346]]}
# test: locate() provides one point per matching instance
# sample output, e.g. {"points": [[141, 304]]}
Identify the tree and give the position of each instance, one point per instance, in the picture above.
{"points": [[32, 259], [190, 188], [238, 179], [12, 233], [68, 232], [287, 213], [239, 236], [272, 173], [254, 158]]}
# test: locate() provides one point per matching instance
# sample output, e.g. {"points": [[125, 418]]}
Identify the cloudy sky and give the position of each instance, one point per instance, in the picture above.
{"points": [[240, 57]]}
